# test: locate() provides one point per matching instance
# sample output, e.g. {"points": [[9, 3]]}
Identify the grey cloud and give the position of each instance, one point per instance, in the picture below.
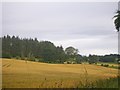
{"points": [[64, 23]]}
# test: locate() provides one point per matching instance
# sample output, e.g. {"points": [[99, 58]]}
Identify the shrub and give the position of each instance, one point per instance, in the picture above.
{"points": [[101, 64], [32, 59], [106, 65], [90, 63], [80, 63], [22, 58], [18, 57], [118, 67]]}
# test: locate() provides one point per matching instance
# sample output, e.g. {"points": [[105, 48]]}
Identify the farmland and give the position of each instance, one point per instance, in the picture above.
{"points": [[27, 74]]}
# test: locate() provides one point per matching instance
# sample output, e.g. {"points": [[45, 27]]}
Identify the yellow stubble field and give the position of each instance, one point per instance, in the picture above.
{"points": [[22, 74]]}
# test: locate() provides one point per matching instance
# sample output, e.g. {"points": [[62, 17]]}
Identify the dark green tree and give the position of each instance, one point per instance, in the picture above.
{"points": [[117, 20], [71, 53], [93, 59], [60, 54], [79, 59]]}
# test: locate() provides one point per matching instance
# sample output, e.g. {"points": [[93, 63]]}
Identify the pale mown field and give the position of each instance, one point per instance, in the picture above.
{"points": [[22, 74]]}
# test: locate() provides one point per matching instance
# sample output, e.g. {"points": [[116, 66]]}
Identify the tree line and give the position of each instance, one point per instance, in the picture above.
{"points": [[46, 51]]}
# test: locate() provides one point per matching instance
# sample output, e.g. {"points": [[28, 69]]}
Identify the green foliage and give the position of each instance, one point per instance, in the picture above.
{"points": [[93, 59], [109, 58], [79, 59], [117, 20], [18, 57], [71, 51], [30, 49], [106, 65], [72, 55], [46, 51]]}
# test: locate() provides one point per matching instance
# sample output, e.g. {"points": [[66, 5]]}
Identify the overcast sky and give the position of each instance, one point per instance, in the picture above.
{"points": [[87, 26]]}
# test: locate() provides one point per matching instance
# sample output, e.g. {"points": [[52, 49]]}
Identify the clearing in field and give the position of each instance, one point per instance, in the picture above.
{"points": [[22, 74]]}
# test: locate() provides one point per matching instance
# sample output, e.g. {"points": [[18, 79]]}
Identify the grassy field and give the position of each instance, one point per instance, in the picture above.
{"points": [[22, 74]]}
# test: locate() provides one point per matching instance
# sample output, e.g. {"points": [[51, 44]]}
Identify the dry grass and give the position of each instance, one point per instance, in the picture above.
{"points": [[22, 74]]}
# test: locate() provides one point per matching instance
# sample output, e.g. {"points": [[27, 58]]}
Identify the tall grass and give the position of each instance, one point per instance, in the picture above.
{"points": [[107, 83]]}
